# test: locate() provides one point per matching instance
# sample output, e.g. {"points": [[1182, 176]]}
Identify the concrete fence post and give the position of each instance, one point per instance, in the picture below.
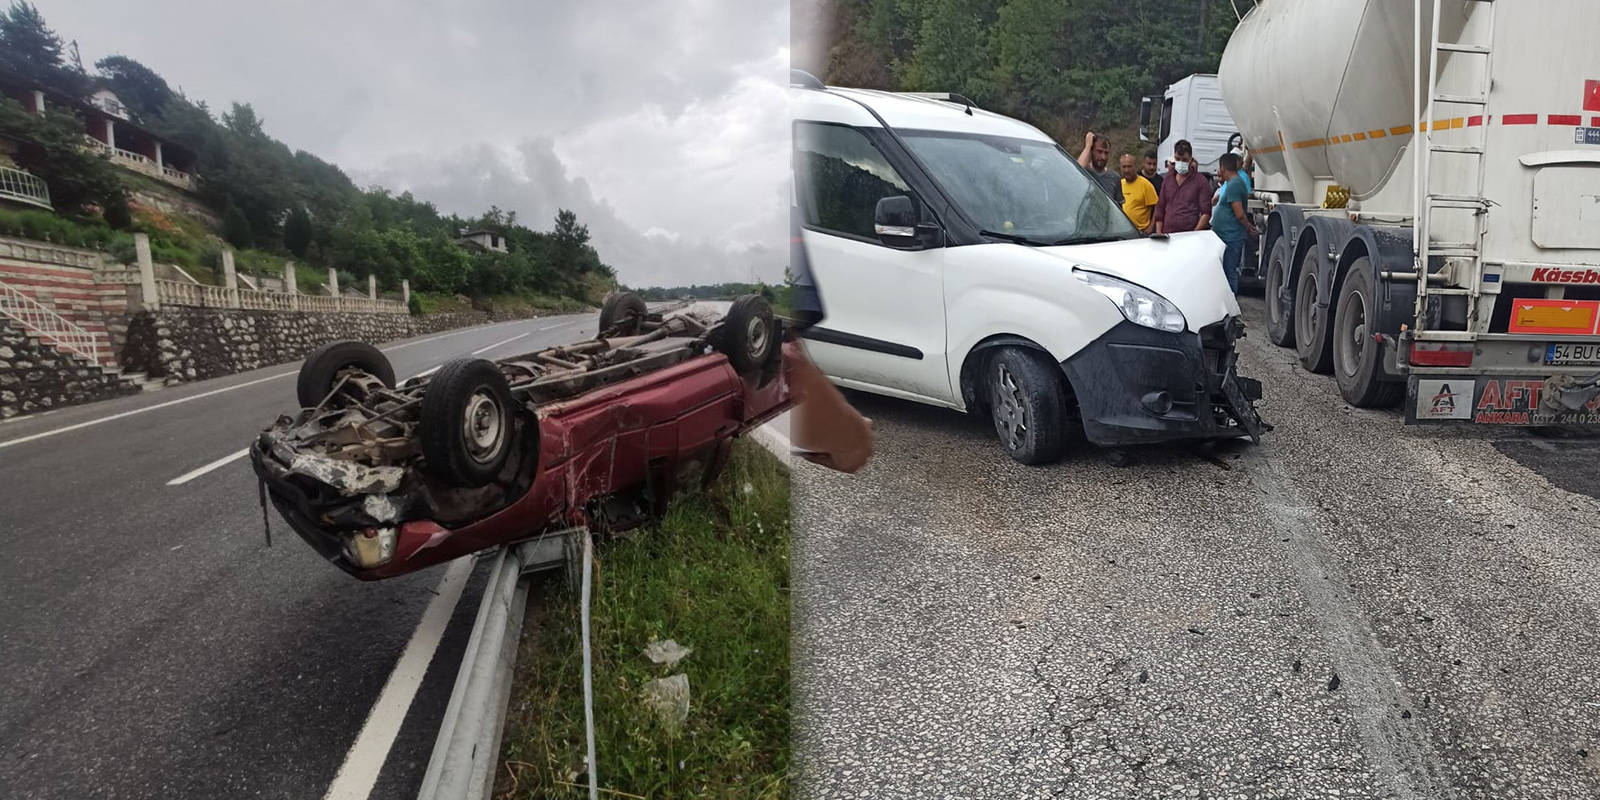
{"points": [[405, 292], [147, 272], [372, 287], [230, 279], [288, 286], [333, 286]]}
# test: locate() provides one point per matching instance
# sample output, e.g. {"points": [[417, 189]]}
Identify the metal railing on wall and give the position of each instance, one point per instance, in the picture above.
{"points": [[48, 326], [23, 187]]}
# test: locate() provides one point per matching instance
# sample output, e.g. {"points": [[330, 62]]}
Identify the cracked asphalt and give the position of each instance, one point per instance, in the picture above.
{"points": [[1353, 609]]}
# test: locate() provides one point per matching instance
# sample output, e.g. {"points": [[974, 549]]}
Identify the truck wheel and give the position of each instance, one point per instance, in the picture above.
{"points": [[1280, 303], [1356, 355], [1028, 404], [748, 335], [320, 371], [623, 308], [466, 422], [1310, 323]]}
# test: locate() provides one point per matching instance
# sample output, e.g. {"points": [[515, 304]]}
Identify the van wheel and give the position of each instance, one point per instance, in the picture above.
{"points": [[1028, 404], [1355, 353], [748, 336], [320, 371], [625, 309], [1312, 342], [466, 422], [1280, 303]]}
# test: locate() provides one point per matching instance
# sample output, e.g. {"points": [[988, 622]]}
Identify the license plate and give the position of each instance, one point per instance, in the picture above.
{"points": [[1572, 354]]}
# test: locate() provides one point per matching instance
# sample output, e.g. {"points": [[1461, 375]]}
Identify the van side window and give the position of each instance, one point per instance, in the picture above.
{"points": [[1166, 120], [842, 178]]}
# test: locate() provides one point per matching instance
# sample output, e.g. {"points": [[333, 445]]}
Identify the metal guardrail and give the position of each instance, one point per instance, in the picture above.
{"points": [[24, 188], [48, 325], [467, 751]]}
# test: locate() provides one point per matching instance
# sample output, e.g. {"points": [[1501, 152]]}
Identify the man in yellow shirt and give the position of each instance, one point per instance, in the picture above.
{"points": [[1138, 196]]}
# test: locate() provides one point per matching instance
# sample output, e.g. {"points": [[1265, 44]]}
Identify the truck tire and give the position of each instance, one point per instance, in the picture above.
{"points": [[466, 422], [749, 336], [1279, 296], [320, 371], [1356, 356], [623, 308], [1028, 404], [1311, 323]]}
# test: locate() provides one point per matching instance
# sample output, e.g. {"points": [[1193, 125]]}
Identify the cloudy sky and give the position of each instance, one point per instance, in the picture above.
{"points": [[664, 125]]}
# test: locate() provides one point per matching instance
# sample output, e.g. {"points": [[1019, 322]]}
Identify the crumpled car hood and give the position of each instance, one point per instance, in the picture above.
{"points": [[1185, 268]]}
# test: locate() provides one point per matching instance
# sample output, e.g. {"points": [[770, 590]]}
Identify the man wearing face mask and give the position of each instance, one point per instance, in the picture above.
{"points": [[1185, 201]]}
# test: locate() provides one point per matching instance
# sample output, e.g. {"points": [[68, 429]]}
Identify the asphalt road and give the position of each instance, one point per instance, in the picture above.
{"points": [[153, 646], [1353, 609]]}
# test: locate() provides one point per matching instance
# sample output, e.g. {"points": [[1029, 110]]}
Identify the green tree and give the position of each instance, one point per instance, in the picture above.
{"points": [[236, 227], [28, 47], [116, 212], [297, 231], [51, 147]]}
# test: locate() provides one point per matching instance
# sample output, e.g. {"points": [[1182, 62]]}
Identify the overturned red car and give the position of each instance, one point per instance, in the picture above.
{"points": [[383, 480]]}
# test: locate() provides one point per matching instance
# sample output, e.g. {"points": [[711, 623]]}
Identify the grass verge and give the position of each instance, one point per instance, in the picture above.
{"points": [[714, 576]]}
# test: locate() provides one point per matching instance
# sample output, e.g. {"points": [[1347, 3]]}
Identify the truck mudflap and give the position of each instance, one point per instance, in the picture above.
{"points": [[1136, 385], [1519, 400]]}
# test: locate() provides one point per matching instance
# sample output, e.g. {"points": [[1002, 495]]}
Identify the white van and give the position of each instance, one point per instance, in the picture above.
{"points": [[965, 260]]}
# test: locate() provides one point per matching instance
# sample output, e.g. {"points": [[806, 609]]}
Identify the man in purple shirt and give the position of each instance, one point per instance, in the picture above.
{"points": [[1185, 201]]}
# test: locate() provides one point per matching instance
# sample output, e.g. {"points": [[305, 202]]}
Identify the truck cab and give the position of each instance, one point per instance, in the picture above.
{"points": [[1190, 109]]}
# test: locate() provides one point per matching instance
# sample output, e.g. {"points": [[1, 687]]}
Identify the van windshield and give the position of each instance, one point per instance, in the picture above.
{"points": [[1020, 188]]}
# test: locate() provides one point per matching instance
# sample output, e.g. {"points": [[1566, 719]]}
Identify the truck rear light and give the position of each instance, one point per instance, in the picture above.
{"points": [[1447, 354]]}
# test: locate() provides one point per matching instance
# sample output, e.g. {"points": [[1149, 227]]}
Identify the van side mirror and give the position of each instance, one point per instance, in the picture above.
{"points": [[1146, 109], [898, 224]]}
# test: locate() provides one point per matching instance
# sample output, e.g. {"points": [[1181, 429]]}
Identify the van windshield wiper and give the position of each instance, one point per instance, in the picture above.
{"points": [[1089, 240], [1011, 237]]}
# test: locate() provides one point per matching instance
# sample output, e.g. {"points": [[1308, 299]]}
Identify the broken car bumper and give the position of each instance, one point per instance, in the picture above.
{"points": [[1137, 385]]}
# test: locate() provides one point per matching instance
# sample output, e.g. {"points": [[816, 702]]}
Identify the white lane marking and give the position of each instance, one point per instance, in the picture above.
{"points": [[195, 473], [80, 425], [480, 351], [359, 773]]}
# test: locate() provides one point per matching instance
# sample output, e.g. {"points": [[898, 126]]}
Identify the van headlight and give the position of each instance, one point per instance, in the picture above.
{"points": [[1138, 304]]}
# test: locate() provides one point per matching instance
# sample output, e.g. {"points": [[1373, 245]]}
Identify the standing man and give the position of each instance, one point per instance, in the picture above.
{"points": [[1096, 157], [1185, 203], [1229, 220], [1149, 172], [1138, 196]]}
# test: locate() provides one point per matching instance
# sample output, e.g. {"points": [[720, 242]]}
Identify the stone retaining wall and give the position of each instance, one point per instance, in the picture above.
{"points": [[189, 344], [35, 377]]}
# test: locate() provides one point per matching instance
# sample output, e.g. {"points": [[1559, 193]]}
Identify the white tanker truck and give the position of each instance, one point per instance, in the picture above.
{"points": [[1429, 177]]}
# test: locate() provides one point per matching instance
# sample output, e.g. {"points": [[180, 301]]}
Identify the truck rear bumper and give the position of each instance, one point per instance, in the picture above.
{"points": [[1137, 385]]}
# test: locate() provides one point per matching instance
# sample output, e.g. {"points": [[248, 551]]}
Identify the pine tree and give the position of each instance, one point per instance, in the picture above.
{"points": [[235, 227], [297, 231]]}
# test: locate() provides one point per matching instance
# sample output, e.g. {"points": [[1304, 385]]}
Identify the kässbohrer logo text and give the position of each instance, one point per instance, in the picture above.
{"points": [[1553, 275]]}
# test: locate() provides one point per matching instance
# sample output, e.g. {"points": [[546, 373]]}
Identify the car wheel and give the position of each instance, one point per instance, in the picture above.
{"points": [[320, 371], [1028, 404], [624, 309], [1280, 316], [749, 337], [1311, 339], [1356, 353], [466, 422]]}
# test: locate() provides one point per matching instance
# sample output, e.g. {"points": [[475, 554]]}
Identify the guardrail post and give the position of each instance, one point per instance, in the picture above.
{"points": [[147, 272], [288, 286], [230, 279]]}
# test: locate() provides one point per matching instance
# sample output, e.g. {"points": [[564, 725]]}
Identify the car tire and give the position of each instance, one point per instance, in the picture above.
{"points": [[1311, 340], [1027, 401], [1280, 303], [320, 371], [624, 309], [466, 422], [749, 334], [1356, 356]]}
